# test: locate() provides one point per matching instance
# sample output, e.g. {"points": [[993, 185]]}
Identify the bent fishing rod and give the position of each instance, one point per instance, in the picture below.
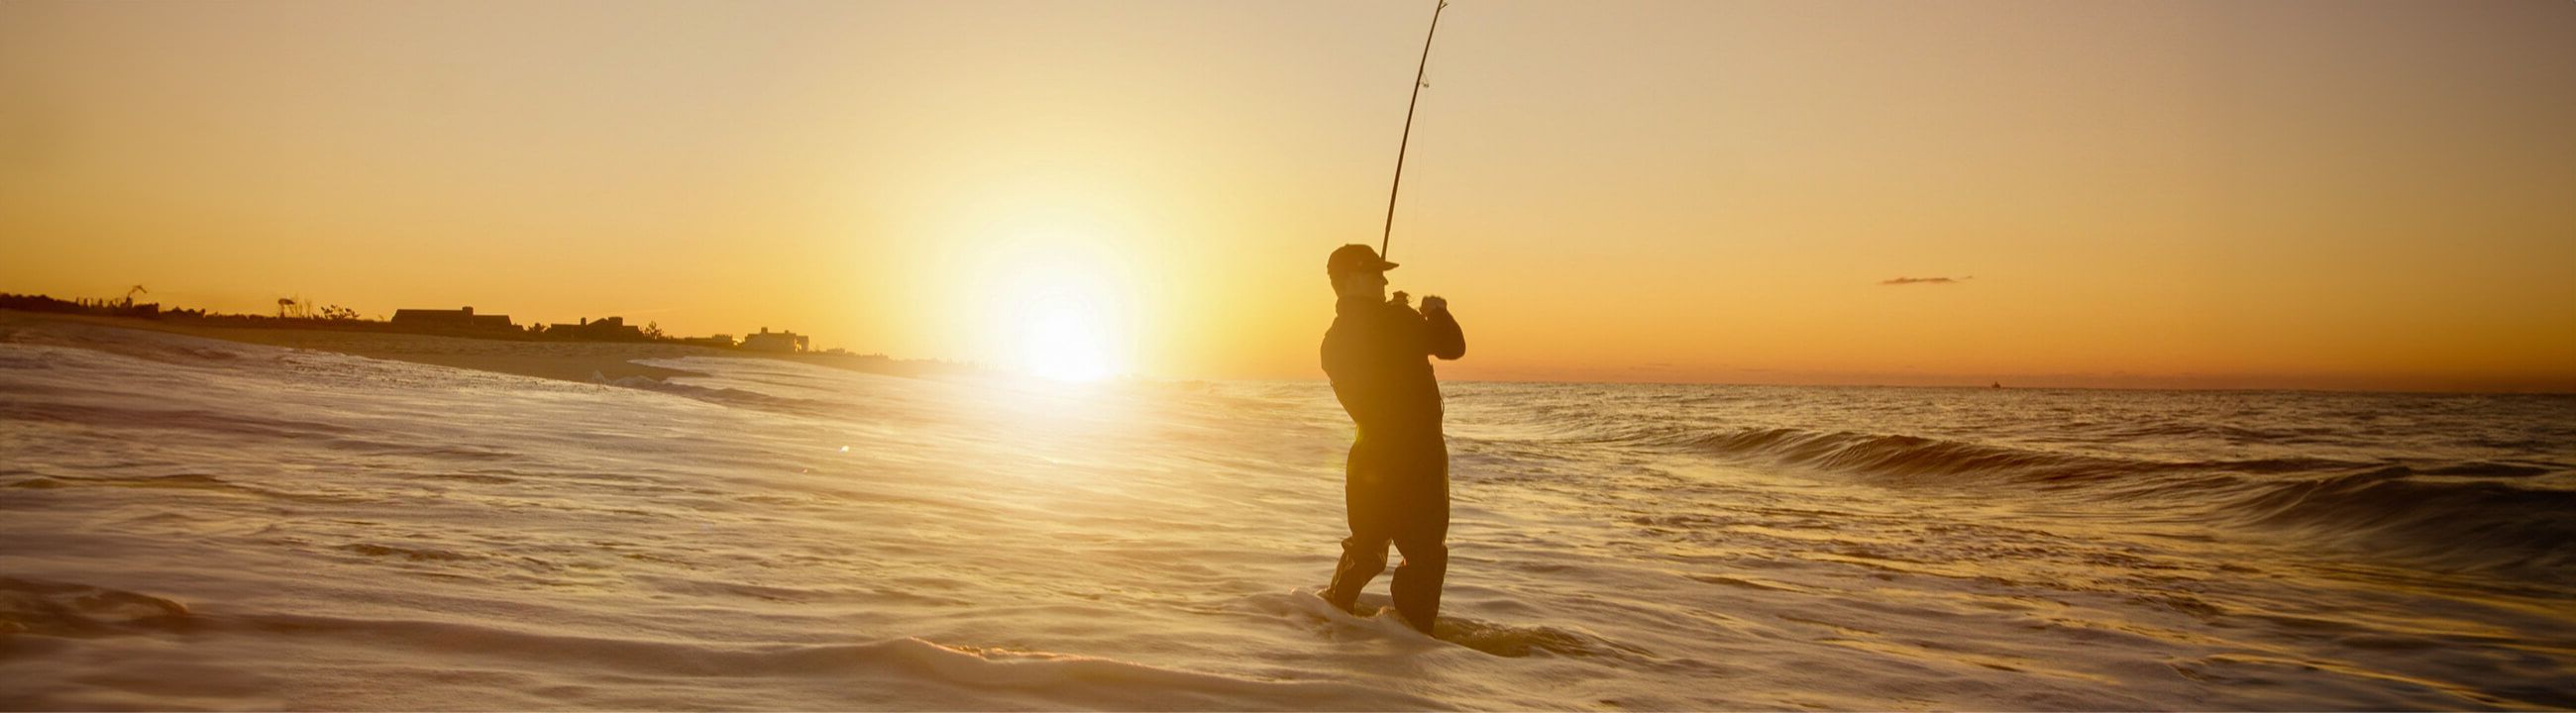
{"points": [[1389, 232]]}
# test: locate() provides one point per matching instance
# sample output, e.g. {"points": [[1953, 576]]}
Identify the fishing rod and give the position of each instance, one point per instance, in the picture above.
{"points": [[1389, 232]]}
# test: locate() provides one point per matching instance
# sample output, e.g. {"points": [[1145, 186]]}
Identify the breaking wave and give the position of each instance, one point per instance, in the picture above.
{"points": [[2435, 520], [2471, 513]]}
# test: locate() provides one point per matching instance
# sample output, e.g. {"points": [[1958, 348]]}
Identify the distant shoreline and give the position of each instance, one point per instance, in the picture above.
{"points": [[577, 361]]}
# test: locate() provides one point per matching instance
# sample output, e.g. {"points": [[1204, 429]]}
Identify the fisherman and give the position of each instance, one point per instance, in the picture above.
{"points": [[1396, 481]]}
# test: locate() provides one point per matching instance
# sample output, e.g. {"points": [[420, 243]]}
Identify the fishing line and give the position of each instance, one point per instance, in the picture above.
{"points": [[1389, 232]]}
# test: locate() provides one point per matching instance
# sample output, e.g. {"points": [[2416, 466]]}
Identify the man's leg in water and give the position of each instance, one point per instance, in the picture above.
{"points": [[1362, 559], [1364, 552], [1421, 533]]}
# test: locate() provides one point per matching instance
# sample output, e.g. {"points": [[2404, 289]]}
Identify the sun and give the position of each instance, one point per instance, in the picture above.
{"points": [[1065, 337], [1053, 309]]}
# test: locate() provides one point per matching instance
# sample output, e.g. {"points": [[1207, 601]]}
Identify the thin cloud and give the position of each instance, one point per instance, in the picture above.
{"points": [[1926, 280]]}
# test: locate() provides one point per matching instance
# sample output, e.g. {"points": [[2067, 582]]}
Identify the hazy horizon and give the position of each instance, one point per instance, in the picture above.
{"points": [[2329, 195]]}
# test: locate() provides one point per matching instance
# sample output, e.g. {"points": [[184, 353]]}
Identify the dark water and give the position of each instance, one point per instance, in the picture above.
{"points": [[2461, 483]]}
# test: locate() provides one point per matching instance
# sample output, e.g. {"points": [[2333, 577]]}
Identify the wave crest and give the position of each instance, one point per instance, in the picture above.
{"points": [[2452, 514], [2483, 524]]}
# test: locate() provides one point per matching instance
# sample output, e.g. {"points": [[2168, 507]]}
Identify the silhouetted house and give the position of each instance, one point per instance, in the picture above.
{"points": [[604, 329], [768, 341], [720, 340], [451, 320]]}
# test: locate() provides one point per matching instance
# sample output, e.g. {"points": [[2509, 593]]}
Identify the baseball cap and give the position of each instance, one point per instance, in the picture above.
{"points": [[1355, 258]]}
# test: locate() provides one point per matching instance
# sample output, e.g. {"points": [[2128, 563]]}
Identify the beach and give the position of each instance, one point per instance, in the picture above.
{"points": [[197, 523]]}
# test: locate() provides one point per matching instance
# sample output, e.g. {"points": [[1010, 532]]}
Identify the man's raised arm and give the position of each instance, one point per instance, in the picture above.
{"points": [[1447, 341]]}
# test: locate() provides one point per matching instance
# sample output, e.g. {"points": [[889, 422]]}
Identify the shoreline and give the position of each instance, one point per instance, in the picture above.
{"points": [[576, 360], [573, 361]]}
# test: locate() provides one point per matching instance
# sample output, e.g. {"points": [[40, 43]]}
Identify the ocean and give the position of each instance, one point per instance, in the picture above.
{"points": [[188, 523]]}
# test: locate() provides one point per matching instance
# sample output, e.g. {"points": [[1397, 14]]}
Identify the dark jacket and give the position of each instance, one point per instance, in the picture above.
{"points": [[1374, 354]]}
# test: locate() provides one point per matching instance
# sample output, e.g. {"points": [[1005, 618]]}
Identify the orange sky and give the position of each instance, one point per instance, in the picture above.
{"points": [[2336, 194]]}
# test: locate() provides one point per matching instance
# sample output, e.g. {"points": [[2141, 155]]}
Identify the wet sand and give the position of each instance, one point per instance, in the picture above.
{"points": [[568, 361]]}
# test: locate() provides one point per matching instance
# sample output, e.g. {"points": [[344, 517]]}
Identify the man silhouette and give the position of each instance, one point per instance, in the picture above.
{"points": [[1396, 480]]}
